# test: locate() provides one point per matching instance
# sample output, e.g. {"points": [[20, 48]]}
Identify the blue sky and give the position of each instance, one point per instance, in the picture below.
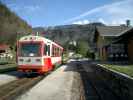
{"points": [[60, 12]]}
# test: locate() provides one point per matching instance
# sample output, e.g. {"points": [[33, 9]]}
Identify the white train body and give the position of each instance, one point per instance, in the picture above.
{"points": [[37, 54]]}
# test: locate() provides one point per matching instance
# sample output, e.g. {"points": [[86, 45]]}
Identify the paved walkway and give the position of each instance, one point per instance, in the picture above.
{"points": [[59, 85]]}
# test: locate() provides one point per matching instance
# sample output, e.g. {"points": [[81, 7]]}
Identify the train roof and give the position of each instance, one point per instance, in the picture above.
{"points": [[37, 38]]}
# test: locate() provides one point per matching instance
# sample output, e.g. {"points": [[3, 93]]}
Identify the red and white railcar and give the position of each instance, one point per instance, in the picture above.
{"points": [[37, 54]]}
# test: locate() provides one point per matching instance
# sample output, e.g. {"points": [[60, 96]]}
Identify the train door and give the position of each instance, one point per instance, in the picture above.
{"points": [[48, 50], [48, 62]]}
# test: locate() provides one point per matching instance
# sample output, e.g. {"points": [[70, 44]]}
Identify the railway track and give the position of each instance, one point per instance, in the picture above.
{"points": [[15, 88], [94, 87]]}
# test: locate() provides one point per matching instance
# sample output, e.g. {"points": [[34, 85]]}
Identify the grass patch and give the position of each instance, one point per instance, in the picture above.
{"points": [[126, 69], [7, 67], [65, 59]]}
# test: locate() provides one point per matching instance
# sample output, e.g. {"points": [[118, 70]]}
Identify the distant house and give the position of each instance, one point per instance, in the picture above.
{"points": [[4, 48], [5, 51], [103, 37]]}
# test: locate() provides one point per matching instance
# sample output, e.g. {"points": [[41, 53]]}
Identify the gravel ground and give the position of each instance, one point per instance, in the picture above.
{"points": [[10, 76]]}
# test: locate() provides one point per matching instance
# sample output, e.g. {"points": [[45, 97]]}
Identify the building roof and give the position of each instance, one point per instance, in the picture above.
{"points": [[124, 36], [112, 30], [127, 32]]}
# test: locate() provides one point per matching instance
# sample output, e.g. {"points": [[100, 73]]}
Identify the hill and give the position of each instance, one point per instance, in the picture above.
{"points": [[11, 25], [72, 37], [67, 33]]}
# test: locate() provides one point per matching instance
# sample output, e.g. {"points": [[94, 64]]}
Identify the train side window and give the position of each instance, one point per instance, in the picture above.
{"points": [[52, 50], [58, 51], [48, 50]]}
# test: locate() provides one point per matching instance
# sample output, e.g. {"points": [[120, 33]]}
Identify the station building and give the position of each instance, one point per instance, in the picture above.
{"points": [[113, 43]]}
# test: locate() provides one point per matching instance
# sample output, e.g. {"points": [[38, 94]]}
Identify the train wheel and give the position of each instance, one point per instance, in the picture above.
{"points": [[27, 74]]}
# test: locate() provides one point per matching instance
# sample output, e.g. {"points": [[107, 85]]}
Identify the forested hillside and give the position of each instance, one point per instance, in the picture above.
{"points": [[11, 25], [67, 33]]}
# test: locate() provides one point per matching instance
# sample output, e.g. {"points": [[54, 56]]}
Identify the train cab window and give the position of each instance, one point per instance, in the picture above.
{"points": [[29, 49]]}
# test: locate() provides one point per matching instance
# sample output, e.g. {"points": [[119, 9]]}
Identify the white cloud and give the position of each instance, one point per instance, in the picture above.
{"points": [[81, 22], [117, 22], [115, 13], [23, 8], [77, 22], [85, 22], [102, 21], [32, 8]]}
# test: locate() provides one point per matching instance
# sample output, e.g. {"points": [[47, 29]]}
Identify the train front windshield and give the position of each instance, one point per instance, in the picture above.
{"points": [[29, 49]]}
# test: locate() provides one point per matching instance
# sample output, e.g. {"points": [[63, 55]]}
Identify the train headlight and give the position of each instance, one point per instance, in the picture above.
{"points": [[38, 60], [21, 60]]}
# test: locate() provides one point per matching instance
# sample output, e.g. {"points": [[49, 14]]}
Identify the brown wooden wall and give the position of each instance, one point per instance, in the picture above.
{"points": [[130, 50], [102, 50]]}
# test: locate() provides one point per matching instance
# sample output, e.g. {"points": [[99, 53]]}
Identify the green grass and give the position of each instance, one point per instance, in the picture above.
{"points": [[126, 69], [7, 67], [65, 58], [6, 61]]}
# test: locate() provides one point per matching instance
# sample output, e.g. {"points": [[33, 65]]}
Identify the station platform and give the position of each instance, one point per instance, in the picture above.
{"points": [[62, 84]]}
